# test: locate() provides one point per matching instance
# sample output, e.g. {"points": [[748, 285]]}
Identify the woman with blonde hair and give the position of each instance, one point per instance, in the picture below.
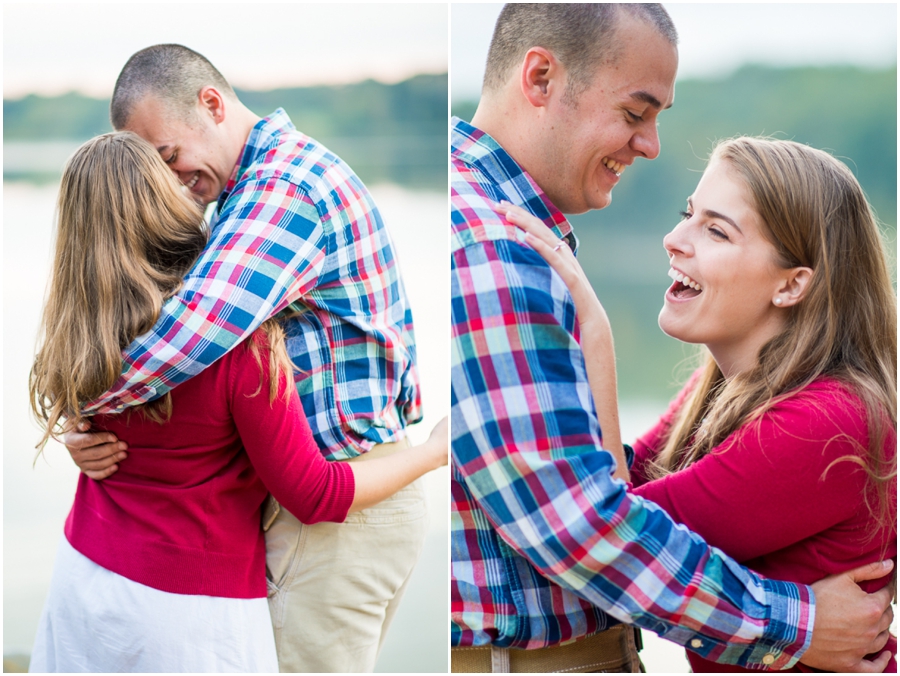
{"points": [[162, 567], [781, 448]]}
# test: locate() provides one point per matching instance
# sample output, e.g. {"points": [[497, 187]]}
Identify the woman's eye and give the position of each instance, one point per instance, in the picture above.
{"points": [[718, 234], [685, 215]]}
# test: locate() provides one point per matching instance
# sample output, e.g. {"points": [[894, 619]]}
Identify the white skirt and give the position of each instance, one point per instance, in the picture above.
{"points": [[98, 621]]}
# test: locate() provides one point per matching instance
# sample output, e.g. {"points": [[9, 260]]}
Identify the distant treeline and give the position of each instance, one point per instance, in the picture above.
{"points": [[851, 113], [385, 132]]}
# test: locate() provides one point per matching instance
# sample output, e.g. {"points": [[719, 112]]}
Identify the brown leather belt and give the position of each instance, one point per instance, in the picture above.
{"points": [[611, 651]]}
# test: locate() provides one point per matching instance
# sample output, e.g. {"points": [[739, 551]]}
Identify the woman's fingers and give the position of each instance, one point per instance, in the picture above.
{"points": [[550, 247], [556, 258], [536, 229], [552, 256], [527, 222], [440, 430]]}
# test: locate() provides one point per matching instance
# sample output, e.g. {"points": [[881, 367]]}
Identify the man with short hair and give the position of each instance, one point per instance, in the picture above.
{"points": [[293, 229], [546, 548]]}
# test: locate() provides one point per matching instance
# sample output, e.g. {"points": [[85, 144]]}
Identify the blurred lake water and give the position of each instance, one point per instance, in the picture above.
{"points": [[37, 499]]}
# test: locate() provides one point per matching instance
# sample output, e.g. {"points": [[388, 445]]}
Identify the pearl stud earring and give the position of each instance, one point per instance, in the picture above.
{"points": [[777, 301]]}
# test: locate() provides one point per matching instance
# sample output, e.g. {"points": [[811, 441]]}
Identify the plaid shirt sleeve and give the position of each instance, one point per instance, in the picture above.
{"points": [[264, 252], [526, 444]]}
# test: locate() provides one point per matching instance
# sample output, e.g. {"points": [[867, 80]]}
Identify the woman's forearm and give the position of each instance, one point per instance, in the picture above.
{"points": [[377, 479], [600, 364]]}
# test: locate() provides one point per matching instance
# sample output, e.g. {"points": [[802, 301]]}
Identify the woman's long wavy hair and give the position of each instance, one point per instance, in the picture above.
{"points": [[845, 327], [126, 235]]}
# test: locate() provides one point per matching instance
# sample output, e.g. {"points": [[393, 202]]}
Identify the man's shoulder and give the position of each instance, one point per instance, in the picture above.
{"points": [[472, 215], [290, 164], [292, 156]]}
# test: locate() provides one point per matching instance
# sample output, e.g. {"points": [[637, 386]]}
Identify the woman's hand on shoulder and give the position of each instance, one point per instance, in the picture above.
{"points": [[560, 257]]}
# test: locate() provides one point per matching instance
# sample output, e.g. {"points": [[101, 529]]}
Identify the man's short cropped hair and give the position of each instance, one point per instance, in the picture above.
{"points": [[580, 35], [172, 73]]}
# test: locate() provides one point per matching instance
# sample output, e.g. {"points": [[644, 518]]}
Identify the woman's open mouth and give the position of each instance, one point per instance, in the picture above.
{"points": [[684, 287]]}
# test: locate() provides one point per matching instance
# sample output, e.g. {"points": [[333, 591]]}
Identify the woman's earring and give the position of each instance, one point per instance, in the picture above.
{"points": [[777, 301]]}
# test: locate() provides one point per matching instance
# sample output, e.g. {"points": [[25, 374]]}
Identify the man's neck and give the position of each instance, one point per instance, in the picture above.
{"points": [[245, 121], [505, 120], [242, 122], [497, 121]]}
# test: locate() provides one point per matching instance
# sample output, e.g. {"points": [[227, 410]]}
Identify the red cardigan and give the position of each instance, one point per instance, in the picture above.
{"points": [[182, 514], [768, 501]]}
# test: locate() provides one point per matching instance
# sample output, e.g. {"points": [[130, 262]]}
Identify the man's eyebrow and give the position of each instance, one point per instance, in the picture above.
{"points": [[648, 98], [709, 213]]}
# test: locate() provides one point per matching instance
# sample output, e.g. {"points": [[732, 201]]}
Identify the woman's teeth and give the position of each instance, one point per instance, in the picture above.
{"points": [[613, 166], [684, 279]]}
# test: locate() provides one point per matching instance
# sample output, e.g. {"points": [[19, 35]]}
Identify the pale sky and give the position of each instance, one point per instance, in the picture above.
{"points": [[715, 39], [53, 48]]}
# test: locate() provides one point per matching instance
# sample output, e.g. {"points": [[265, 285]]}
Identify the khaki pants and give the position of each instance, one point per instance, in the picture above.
{"points": [[334, 587]]}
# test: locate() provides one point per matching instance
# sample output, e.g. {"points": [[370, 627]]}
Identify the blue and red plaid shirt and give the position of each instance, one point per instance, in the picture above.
{"points": [[294, 229], [544, 542]]}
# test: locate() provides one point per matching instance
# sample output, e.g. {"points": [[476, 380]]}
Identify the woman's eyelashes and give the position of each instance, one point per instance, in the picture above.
{"points": [[717, 233], [714, 230]]}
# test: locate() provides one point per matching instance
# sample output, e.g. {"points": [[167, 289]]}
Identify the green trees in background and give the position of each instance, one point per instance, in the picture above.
{"points": [[40, 118], [851, 113], [395, 133], [392, 133]]}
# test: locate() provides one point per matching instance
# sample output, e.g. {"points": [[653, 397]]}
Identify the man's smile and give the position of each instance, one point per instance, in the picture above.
{"points": [[615, 167]]}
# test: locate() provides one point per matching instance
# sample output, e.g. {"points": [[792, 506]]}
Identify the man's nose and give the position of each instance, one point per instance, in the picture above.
{"points": [[646, 141]]}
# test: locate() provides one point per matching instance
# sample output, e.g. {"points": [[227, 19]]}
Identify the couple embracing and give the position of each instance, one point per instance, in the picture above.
{"points": [[754, 524], [266, 513]]}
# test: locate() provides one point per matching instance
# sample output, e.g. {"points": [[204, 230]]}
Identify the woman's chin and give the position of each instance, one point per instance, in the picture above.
{"points": [[675, 329]]}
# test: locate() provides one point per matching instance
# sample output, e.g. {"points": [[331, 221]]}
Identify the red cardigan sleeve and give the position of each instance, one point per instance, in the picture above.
{"points": [[775, 484], [280, 444]]}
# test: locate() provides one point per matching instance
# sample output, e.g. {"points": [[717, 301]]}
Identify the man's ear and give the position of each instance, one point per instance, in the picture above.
{"points": [[541, 76], [794, 287], [212, 103]]}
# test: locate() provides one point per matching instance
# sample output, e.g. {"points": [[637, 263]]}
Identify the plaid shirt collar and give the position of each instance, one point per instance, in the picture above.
{"points": [[476, 148], [263, 137]]}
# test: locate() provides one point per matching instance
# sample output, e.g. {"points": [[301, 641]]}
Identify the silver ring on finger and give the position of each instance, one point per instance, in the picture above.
{"points": [[559, 245]]}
